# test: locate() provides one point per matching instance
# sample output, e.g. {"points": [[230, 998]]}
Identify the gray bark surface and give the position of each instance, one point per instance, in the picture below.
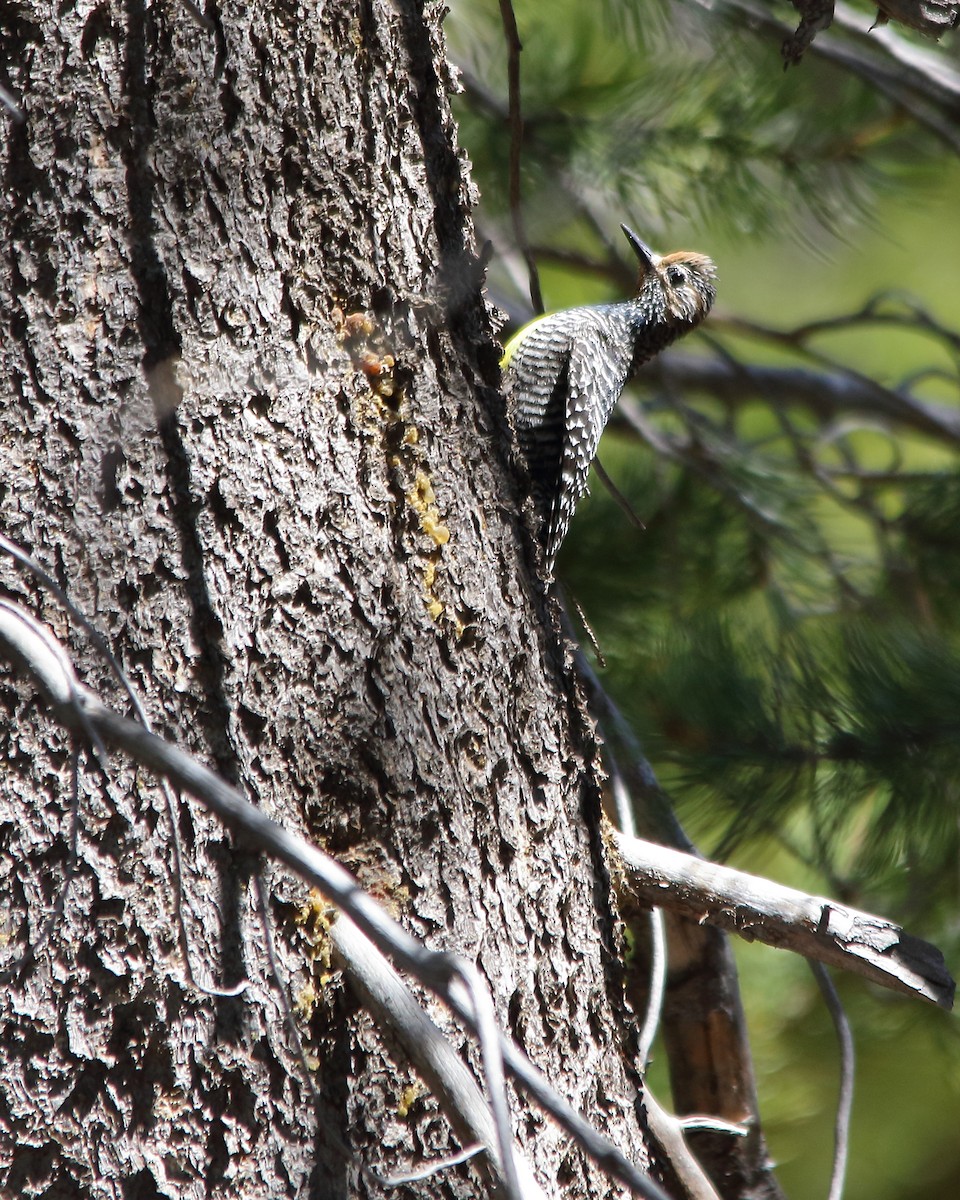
{"points": [[312, 565]]}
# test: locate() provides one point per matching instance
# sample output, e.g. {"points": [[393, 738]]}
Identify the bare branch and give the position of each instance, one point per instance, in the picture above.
{"points": [[921, 82], [100, 644], [758, 909], [703, 1025], [393, 1005], [41, 654], [33, 649], [434, 1168], [667, 1130], [827, 394], [488, 1036], [619, 498], [626, 821]]}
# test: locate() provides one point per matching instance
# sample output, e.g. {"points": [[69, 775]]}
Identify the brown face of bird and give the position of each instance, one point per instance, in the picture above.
{"points": [[689, 285], [688, 280]]}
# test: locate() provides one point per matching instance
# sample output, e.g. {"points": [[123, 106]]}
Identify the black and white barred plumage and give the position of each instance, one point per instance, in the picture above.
{"points": [[566, 371]]}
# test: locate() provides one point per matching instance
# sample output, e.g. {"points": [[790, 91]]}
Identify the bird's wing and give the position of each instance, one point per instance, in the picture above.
{"points": [[538, 367], [596, 373]]}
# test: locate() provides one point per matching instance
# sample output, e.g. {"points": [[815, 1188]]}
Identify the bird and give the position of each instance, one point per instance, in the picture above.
{"points": [[565, 372]]}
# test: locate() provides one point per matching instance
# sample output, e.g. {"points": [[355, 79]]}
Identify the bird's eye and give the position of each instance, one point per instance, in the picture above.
{"points": [[676, 276]]}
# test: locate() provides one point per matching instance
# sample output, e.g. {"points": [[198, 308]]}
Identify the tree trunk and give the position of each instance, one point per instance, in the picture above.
{"points": [[251, 422]]}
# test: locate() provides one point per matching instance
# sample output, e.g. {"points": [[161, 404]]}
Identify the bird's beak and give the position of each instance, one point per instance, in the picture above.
{"points": [[648, 260]]}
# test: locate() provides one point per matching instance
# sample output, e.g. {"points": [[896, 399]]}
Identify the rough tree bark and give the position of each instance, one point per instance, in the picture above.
{"points": [[299, 529]]}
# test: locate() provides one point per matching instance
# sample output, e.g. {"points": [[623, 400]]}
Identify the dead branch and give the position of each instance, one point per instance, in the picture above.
{"points": [[703, 1024], [758, 909], [31, 648]]}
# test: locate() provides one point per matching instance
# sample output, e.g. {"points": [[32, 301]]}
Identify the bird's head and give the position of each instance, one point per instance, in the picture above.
{"points": [[687, 280]]}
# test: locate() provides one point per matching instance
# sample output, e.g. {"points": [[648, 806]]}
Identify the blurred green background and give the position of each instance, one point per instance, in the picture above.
{"points": [[784, 634]]}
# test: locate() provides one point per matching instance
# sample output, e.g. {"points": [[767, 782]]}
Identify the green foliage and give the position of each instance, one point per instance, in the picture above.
{"points": [[764, 683], [664, 111], [784, 634], [784, 630]]}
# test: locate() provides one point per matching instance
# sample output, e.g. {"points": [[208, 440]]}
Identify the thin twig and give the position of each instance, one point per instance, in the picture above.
{"points": [[325, 1132], [329, 1138], [514, 47], [488, 1035], [619, 498], [273, 966], [658, 986], [430, 1169], [658, 939], [568, 599], [21, 556], [102, 646], [712, 1124], [668, 1133], [845, 1098], [26, 634], [391, 1003]]}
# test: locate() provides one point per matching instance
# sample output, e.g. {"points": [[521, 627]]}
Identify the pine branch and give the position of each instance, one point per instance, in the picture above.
{"points": [[921, 82], [826, 393], [758, 909]]}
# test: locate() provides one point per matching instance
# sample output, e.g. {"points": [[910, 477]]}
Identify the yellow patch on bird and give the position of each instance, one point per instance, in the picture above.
{"points": [[510, 348]]}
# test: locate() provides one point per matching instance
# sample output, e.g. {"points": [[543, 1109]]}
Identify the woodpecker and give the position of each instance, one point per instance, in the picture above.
{"points": [[565, 372]]}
